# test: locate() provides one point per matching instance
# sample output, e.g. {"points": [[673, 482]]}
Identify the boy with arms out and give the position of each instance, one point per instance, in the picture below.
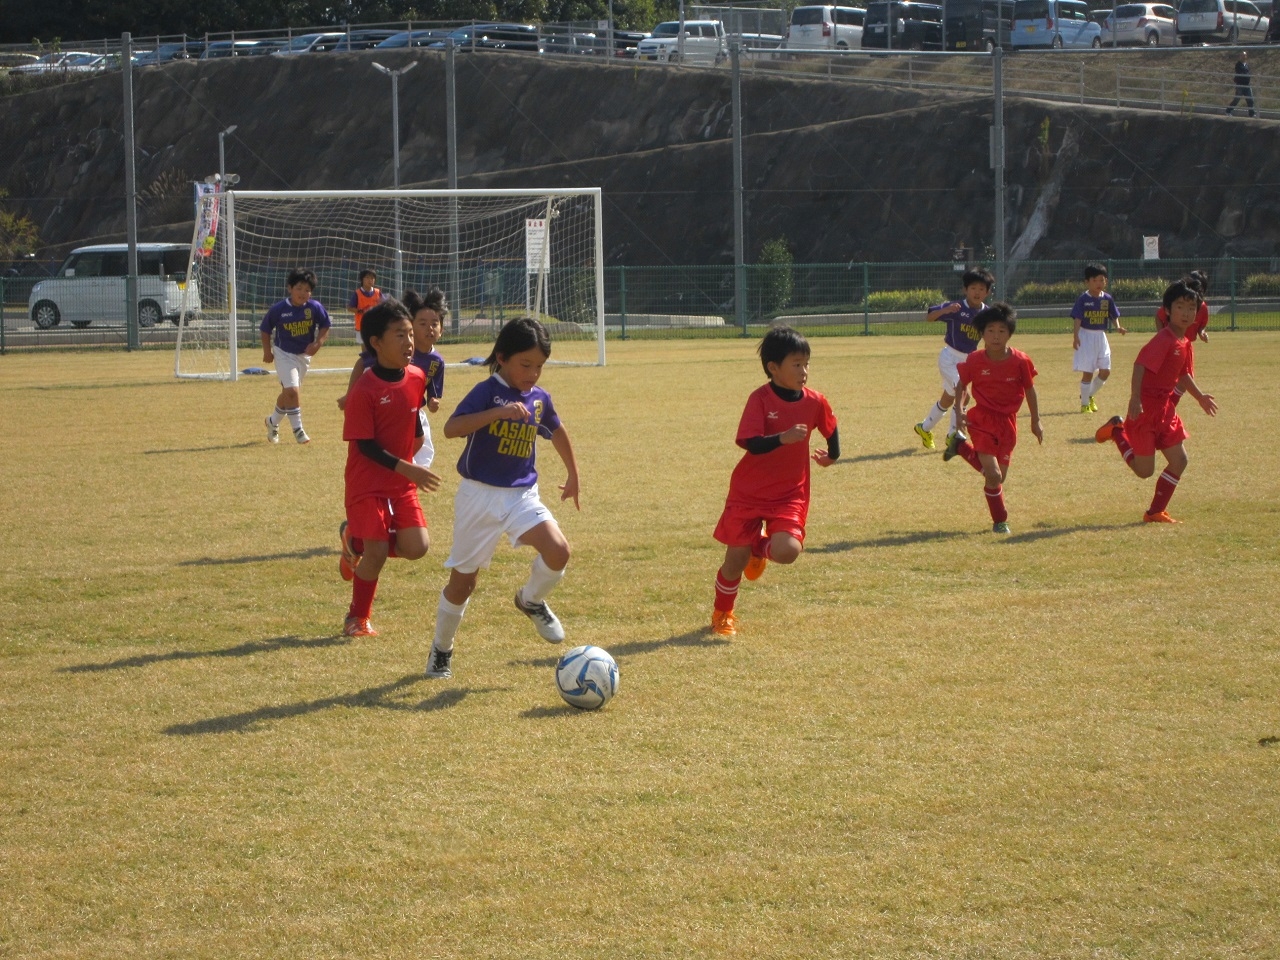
{"points": [[1153, 423], [1094, 311], [381, 427], [960, 340], [769, 488], [293, 331], [1000, 378]]}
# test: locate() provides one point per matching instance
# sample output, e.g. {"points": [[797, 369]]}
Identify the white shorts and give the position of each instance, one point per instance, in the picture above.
{"points": [[291, 368], [427, 452], [482, 514], [1094, 352], [948, 360]]}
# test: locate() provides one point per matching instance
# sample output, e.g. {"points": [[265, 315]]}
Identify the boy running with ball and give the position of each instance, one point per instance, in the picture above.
{"points": [[999, 378], [1163, 366], [769, 488]]}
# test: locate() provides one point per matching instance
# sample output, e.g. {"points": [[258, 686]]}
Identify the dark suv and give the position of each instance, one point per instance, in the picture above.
{"points": [[915, 26]]}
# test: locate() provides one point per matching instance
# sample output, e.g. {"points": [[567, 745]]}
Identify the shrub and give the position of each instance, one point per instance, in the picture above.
{"points": [[773, 279], [1035, 294], [1138, 288], [1261, 285], [893, 301]]}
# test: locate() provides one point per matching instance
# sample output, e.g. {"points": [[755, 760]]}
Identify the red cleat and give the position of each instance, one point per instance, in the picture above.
{"points": [[1161, 516], [1108, 429], [350, 559], [755, 568], [358, 627]]}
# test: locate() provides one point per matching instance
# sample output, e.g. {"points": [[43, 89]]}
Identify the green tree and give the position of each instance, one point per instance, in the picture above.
{"points": [[19, 236], [775, 283]]}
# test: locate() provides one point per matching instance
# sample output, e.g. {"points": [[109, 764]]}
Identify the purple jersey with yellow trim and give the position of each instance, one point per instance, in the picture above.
{"points": [[432, 365], [1095, 313], [503, 453], [293, 329], [961, 334]]}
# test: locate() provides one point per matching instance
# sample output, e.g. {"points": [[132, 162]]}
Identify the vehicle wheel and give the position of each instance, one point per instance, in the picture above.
{"points": [[148, 313], [1097, 43], [916, 45], [45, 315], [1057, 42], [1153, 39], [990, 45], [80, 324], [842, 45]]}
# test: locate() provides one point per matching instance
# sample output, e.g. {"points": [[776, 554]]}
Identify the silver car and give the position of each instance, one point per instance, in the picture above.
{"points": [[1221, 21], [1149, 24]]}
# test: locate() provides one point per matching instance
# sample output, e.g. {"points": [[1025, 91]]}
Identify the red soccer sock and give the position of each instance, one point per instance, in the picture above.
{"points": [[1122, 444], [362, 592], [726, 592], [1166, 484], [995, 503], [965, 449]]}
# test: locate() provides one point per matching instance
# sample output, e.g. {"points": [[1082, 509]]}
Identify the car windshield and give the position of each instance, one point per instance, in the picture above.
{"points": [[806, 16], [667, 29], [1031, 10], [1132, 10], [1199, 6]]}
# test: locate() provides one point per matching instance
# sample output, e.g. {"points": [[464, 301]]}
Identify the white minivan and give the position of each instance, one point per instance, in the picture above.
{"points": [[825, 28], [1053, 23], [703, 41], [90, 286]]}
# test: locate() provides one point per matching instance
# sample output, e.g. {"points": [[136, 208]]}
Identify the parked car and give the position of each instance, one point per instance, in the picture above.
{"points": [[626, 41], [416, 38], [1148, 24], [66, 62], [493, 36], [1054, 23], [90, 285], [703, 42], [1100, 18], [902, 25], [169, 51], [1221, 21], [311, 43], [978, 24], [363, 40], [825, 28], [218, 49], [574, 44]]}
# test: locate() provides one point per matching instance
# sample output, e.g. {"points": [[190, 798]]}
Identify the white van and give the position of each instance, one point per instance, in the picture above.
{"points": [[90, 286], [703, 42], [825, 28]]}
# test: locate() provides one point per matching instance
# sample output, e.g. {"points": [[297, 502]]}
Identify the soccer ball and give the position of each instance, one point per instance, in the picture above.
{"points": [[587, 677]]}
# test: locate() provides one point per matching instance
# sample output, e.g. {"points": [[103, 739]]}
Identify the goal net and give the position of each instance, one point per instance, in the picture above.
{"points": [[497, 254]]}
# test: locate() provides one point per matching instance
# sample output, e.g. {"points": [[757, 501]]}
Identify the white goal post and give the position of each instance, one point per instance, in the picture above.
{"points": [[497, 254]]}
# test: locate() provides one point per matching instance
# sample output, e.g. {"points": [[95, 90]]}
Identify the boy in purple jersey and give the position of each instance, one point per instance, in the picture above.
{"points": [[960, 340], [293, 331], [502, 417], [1094, 311]]}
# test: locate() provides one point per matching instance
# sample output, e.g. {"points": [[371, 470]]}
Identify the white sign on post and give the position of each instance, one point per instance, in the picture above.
{"points": [[535, 245], [1151, 248]]}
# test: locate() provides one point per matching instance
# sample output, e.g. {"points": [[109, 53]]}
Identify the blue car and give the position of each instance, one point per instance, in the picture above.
{"points": [[1053, 24]]}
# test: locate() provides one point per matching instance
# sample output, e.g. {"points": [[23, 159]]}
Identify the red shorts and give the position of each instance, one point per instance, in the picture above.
{"points": [[995, 434], [739, 526], [1159, 428], [375, 518]]}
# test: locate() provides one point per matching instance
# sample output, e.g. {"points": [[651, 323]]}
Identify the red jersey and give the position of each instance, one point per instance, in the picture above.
{"points": [[781, 475], [1165, 358], [998, 385], [386, 413]]}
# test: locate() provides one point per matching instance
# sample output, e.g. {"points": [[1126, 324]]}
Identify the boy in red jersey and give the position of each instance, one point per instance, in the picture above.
{"points": [[999, 378], [1198, 281], [381, 426], [769, 488], [1163, 366]]}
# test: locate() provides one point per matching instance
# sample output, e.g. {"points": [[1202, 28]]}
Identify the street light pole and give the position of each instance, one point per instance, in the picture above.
{"points": [[395, 76], [222, 153]]}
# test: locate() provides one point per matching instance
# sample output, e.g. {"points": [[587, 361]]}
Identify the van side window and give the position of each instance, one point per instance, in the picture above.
{"points": [[115, 264], [87, 265]]}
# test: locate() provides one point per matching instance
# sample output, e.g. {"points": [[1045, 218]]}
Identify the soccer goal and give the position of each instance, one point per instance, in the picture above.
{"points": [[497, 254]]}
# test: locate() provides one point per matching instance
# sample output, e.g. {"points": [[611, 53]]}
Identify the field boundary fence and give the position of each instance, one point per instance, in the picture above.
{"points": [[691, 301]]}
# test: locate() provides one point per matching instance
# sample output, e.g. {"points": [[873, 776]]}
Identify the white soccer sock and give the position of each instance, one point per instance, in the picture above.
{"points": [[276, 416], [1098, 384], [542, 580], [936, 413], [295, 417], [448, 618], [1086, 391], [954, 428]]}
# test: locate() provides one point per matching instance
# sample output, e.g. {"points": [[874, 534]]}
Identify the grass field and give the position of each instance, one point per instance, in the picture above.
{"points": [[925, 742]]}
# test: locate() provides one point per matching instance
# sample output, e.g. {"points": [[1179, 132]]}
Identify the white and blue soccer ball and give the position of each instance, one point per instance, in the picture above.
{"points": [[587, 677]]}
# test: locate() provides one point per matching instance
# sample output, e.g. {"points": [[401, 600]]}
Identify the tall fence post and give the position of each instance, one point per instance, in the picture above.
{"points": [[3, 298], [866, 299], [622, 299], [1233, 293]]}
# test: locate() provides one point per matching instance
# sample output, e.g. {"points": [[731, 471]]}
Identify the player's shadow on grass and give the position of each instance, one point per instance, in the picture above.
{"points": [[702, 637], [388, 696], [239, 650], [1046, 533], [872, 457], [223, 446], [260, 558], [891, 540]]}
